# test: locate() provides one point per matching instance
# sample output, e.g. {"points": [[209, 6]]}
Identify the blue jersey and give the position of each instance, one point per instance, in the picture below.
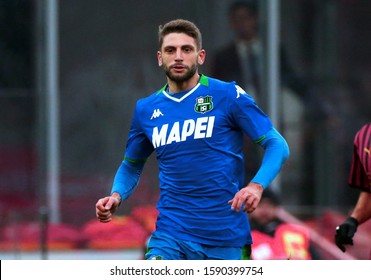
{"points": [[198, 139]]}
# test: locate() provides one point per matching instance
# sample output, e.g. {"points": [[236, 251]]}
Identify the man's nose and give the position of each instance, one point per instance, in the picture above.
{"points": [[179, 54]]}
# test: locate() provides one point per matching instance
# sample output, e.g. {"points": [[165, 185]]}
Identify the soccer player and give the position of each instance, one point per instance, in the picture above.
{"points": [[359, 177], [195, 124]]}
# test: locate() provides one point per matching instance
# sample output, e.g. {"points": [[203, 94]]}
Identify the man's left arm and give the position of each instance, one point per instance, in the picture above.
{"points": [[276, 152]]}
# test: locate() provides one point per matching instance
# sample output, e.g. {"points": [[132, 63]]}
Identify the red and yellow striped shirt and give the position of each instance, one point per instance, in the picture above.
{"points": [[360, 172]]}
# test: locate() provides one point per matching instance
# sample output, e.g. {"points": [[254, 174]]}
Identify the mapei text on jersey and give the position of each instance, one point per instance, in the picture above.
{"points": [[197, 129]]}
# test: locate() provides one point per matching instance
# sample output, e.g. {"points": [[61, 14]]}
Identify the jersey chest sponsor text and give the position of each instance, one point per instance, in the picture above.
{"points": [[181, 131]]}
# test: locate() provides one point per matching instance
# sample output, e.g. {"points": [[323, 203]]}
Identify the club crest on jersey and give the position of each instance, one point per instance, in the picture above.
{"points": [[204, 104]]}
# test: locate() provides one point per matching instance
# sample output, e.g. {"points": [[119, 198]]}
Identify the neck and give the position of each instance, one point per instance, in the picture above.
{"points": [[175, 87]]}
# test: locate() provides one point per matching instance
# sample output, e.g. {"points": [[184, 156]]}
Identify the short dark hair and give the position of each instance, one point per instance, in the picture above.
{"points": [[248, 5], [180, 26]]}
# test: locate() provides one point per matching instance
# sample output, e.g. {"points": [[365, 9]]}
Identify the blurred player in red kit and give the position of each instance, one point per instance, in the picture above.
{"points": [[360, 178]]}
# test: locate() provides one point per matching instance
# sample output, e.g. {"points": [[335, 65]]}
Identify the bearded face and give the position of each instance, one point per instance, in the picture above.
{"points": [[179, 77], [179, 57]]}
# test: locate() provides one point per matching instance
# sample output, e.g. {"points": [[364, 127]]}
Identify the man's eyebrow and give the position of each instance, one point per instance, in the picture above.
{"points": [[182, 46], [188, 46]]}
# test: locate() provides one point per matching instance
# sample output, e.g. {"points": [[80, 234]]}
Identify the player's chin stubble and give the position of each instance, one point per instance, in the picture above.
{"points": [[182, 78]]}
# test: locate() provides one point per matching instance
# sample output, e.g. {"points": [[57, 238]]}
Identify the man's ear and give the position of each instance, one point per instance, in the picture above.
{"points": [[201, 57], [159, 58]]}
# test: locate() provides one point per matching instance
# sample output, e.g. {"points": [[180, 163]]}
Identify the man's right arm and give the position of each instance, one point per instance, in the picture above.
{"points": [[125, 183], [127, 178]]}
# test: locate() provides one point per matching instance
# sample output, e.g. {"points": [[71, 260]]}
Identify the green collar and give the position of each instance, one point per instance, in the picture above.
{"points": [[204, 80]]}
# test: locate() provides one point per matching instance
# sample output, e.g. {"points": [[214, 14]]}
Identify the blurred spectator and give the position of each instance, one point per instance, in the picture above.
{"points": [[273, 237], [242, 60], [360, 178]]}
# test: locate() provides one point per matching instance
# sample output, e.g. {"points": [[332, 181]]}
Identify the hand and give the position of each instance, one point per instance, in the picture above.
{"points": [[106, 206], [345, 232], [249, 196]]}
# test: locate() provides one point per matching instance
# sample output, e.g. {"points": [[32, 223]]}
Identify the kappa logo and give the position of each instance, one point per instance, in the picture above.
{"points": [[204, 104], [156, 113], [239, 91], [367, 151]]}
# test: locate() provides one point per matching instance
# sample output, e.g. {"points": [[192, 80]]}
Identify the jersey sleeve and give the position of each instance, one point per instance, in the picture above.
{"points": [[138, 146], [247, 115], [276, 152]]}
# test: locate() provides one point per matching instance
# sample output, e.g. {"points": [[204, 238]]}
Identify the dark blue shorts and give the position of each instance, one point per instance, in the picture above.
{"points": [[162, 246]]}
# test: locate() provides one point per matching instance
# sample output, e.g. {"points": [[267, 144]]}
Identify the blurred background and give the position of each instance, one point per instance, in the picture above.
{"points": [[71, 72]]}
